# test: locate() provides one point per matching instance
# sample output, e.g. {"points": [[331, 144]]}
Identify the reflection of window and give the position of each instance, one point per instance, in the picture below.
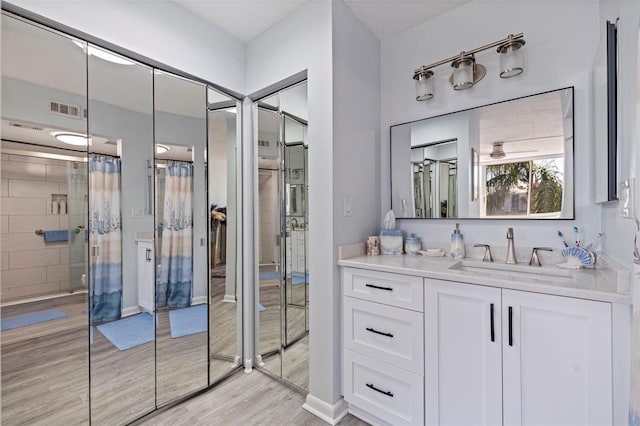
{"points": [[524, 188]]}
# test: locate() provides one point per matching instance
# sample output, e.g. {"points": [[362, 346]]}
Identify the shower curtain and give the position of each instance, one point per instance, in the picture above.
{"points": [[173, 288], [105, 235]]}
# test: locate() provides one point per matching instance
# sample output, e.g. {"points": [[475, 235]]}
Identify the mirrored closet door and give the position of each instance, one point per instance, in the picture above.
{"points": [[180, 109], [282, 327], [225, 304], [120, 236], [45, 338]]}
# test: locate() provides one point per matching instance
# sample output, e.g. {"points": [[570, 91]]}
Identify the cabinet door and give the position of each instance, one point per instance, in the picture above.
{"points": [[556, 360], [463, 369]]}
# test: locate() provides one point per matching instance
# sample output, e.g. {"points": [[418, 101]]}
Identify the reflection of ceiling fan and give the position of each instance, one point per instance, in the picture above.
{"points": [[498, 151]]}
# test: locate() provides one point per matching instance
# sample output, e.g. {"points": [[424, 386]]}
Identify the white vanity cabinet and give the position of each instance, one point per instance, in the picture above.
{"points": [[383, 335], [499, 356]]}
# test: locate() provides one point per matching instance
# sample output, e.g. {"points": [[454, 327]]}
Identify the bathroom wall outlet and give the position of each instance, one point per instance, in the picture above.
{"points": [[348, 206], [137, 212]]}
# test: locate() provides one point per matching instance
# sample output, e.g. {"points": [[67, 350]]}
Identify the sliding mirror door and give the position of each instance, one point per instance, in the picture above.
{"points": [[45, 337], [225, 305], [181, 236], [120, 228]]}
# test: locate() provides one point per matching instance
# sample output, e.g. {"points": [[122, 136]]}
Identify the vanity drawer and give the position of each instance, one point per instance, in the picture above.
{"points": [[389, 393], [403, 291], [387, 333]]}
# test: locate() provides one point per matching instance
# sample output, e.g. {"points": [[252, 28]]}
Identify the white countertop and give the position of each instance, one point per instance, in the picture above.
{"points": [[605, 282]]}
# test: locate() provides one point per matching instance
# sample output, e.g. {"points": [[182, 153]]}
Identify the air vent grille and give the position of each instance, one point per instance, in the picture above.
{"points": [[69, 110], [111, 143], [26, 126], [264, 143]]}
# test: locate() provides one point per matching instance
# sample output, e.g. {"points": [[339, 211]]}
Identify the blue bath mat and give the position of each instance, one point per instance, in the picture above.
{"points": [[188, 321], [261, 308], [269, 275], [30, 319], [129, 332], [299, 280]]}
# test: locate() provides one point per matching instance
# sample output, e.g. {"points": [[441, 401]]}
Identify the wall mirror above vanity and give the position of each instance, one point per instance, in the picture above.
{"points": [[508, 160]]}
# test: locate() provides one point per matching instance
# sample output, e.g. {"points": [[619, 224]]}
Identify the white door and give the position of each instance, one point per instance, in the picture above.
{"points": [[463, 366], [556, 360]]}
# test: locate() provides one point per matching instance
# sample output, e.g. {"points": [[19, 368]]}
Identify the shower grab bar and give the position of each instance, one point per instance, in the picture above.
{"points": [[77, 230]]}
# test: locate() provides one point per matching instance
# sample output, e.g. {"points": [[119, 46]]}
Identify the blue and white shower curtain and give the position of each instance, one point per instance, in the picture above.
{"points": [[105, 238], [176, 263]]}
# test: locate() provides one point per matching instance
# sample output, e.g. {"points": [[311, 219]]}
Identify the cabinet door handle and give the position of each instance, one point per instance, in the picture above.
{"points": [[148, 255], [372, 330], [378, 287], [388, 393], [510, 326], [493, 332]]}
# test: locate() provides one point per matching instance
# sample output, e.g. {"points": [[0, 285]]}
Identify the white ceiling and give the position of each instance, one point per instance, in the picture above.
{"points": [[246, 19]]}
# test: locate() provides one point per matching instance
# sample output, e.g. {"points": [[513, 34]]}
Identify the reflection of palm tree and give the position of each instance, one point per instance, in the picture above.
{"points": [[505, 179]]}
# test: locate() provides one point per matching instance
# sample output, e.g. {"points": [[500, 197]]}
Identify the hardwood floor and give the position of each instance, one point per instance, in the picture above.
{"points": [[244, 399]]}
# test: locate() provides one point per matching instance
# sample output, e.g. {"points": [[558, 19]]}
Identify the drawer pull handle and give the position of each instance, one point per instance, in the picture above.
{"points": [[373, 330], [378, 287], [370, 386]]}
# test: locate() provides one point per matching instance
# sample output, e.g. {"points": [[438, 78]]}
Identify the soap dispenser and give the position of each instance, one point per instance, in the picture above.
{"points": [[457, 244]]}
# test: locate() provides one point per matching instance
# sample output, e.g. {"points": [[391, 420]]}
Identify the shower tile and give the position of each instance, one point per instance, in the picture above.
{"points": [[4, 260], [58, 273], [5, 156], [25, 171], [32, 223], [56, 174], [34, 258], [23, 206], [64, 257], [30, 290], [26, 188], [22, 241], [23, 277], [4, 224], [4, 188], [35, 160]]}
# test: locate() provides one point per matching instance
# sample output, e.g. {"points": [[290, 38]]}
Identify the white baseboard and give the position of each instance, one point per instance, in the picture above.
{"points": [[130, 310], [330, 413], [362, 415], [198, 300], [229, 298]]}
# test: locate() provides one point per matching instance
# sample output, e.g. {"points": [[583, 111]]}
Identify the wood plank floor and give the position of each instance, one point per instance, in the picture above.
{"points": [[244, 399]]}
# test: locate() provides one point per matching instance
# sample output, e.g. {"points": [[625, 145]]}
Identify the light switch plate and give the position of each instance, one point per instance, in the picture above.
{"points": [[348, 206], [137, 212]]}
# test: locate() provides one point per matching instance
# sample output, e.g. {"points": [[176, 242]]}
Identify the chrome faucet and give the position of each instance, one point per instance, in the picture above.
{"points": [[511, 251], [535, 259], [487, 252], [294, 222]]}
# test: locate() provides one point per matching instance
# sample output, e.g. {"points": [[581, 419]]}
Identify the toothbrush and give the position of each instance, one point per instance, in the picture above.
{"points": [[562, 238], [576, 231], [594, 242]]}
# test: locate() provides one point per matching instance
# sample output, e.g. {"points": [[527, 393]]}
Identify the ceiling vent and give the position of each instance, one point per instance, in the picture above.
{"points": [[69, 110], [111, 143], [26, 126]]}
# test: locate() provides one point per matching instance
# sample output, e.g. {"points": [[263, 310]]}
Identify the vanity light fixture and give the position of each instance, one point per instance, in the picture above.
{"points": [[75, 139], [161, 149], [498, 150], [466, 72]]}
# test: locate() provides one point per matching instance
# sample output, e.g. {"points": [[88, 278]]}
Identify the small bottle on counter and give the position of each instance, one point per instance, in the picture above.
{"points": [[457, 244]]}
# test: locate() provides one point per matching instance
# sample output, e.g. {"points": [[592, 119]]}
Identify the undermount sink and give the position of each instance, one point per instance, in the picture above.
{"points": [[514, 272]]}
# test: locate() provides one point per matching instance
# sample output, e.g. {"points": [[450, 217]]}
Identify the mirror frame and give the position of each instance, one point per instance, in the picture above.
{"points": [[474, 167]]}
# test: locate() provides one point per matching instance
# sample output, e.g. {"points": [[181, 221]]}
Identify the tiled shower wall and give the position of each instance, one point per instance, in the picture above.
{"points": [[29, 266]]}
